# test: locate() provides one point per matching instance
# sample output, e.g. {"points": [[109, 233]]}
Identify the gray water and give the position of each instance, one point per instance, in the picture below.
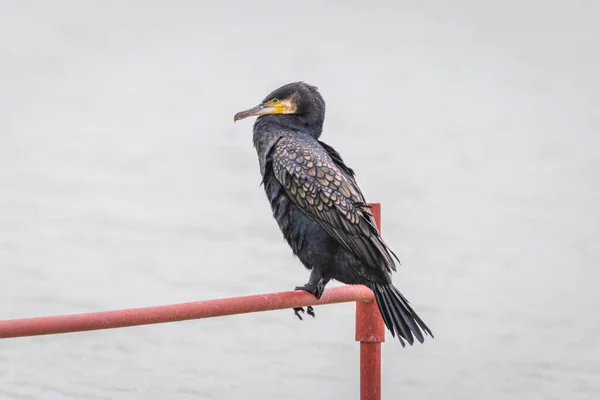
{"points": [[124, 182]]}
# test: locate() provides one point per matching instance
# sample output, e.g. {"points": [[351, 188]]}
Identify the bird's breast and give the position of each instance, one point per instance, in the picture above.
{"points": [[308, 240]]}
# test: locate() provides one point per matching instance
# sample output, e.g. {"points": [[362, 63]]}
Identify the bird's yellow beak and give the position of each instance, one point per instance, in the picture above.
{"points": [[273, 106], [260, 109]]}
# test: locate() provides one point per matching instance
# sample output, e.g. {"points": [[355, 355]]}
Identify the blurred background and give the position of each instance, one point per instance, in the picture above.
{"points": [[124, 182]]}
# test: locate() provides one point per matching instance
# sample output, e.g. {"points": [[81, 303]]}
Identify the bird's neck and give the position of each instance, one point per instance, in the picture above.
{"points": [[290, 123], [265, 138], [269, 128]]}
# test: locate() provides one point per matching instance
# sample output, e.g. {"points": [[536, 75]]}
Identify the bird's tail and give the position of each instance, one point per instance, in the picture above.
{"points": [[398, 315]]}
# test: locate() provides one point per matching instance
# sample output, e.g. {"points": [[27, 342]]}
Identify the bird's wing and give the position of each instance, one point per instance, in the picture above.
{"points": [[337, 159], [329, 196]]}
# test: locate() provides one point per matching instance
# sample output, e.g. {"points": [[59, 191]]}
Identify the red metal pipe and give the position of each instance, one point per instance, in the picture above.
{"points": [[370, 332], [177, 312]]}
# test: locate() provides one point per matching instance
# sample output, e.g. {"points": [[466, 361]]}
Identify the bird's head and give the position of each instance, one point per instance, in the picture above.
{"points": [[296, 104]]}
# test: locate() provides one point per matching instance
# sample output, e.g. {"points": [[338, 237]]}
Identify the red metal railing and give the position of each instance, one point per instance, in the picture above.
{"points": [[370, 330]]}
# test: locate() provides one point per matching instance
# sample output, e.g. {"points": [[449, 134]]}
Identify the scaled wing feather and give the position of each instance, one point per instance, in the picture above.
{"points": [[318, 182]]}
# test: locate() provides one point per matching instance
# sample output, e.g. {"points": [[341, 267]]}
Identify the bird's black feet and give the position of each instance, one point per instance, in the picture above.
{"points": [[308, 287], [315, 286], [309, 310], [316, 290]]}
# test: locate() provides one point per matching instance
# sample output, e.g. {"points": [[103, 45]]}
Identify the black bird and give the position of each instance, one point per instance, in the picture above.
{"points": [[320, 208]]}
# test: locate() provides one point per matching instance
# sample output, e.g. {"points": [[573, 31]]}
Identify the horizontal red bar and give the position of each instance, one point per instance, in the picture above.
{"points": [[178, 312]]}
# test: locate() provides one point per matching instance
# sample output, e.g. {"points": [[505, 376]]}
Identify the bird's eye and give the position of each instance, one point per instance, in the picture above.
{"points": [[275, 100]]}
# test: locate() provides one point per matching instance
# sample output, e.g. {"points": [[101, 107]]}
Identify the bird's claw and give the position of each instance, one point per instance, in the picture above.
{"points": [[309, 310], [307, 288], [297, 311], [316, 291]]}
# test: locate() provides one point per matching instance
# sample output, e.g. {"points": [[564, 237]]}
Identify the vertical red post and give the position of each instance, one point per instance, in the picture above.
{"points": [[370, 332]]}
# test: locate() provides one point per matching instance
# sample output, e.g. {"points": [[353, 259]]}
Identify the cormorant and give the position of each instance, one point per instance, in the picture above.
{"points": [[320, 208]]}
